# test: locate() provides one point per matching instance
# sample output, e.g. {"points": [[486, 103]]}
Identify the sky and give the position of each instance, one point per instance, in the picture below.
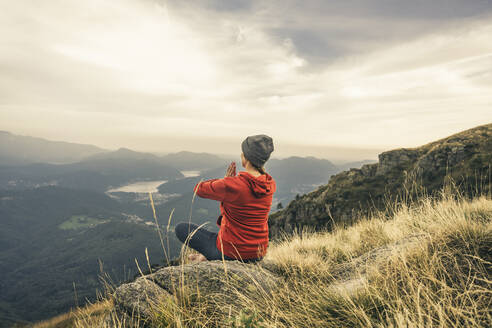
{"points": [[330, 79]]}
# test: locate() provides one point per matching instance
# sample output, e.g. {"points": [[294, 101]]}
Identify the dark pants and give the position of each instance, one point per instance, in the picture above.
{"points": [[203, 241]]}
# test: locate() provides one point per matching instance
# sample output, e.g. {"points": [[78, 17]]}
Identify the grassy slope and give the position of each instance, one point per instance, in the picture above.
{"points": [[442, 281]]}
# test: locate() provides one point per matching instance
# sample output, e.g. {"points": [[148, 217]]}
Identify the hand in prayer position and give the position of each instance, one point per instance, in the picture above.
{"points": [[231, 170]]}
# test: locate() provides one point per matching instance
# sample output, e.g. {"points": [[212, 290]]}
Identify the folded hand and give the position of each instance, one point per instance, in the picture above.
{"points": [[231, 170]]}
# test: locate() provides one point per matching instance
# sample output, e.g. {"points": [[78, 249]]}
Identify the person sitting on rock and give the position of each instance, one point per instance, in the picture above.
{"points": [[245, 202]]}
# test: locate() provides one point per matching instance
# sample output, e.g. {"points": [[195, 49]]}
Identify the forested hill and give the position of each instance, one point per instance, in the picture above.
{"points": [[466, 157]]}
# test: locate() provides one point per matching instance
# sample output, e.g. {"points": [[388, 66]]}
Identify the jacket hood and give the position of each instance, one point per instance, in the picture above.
{"points": [[261, 186]]}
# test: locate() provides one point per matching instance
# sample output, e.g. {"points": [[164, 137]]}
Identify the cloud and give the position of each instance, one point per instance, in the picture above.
{"points": [[113, 72]]}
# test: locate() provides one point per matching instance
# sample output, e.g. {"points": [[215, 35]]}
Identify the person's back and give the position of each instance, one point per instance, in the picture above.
{"points": [[245, 202]]}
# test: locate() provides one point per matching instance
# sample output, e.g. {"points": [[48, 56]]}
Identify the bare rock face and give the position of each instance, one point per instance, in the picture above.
{"points": [[368, 170], [208, 279], [395, 159], [448, 156]]}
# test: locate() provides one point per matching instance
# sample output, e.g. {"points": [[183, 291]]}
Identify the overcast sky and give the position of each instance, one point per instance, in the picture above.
{"points": [[317, 76]]}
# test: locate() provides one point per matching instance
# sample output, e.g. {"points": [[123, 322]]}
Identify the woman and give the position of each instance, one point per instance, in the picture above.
{"points": [[245, 201]]}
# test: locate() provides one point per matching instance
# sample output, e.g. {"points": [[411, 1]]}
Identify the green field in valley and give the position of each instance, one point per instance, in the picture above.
{"points": [[81, 221]]}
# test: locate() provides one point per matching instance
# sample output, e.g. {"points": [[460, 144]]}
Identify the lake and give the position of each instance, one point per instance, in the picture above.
{"points": [[141, 186], [189, 174], [150, 186]]}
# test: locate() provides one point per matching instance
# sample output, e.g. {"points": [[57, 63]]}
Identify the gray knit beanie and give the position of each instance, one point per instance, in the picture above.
{"points": [[257, 149]]}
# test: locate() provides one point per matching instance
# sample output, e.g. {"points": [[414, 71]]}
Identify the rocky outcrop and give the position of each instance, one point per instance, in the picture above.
{"points": [[137, 303], [403, 173], [390, 160]]}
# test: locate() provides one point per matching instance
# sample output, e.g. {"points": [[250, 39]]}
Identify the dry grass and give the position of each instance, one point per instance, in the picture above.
{"points": [[444, 280], [70, 319]]}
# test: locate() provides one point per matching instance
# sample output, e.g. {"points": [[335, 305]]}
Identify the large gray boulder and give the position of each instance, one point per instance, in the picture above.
{"points": [[219, 281], [137, 300], [209, 277]]}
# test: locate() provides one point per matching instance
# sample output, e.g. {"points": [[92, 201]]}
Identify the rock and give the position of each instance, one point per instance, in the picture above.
{"points": [[208, 279], [368, 170], [394, 159], [444, 157], [138, 298]]}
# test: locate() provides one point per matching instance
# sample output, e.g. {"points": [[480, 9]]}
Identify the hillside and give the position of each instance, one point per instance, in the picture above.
{"points": [[429, 266], [466, 158], [52, 237], [299, 175]]}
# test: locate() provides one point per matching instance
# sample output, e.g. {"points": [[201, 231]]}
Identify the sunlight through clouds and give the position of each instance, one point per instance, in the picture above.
{"points": [[184, 69]]}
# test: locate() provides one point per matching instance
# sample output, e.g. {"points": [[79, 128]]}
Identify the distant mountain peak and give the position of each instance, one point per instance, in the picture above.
{"points": [[123, 153], [123, 150]]}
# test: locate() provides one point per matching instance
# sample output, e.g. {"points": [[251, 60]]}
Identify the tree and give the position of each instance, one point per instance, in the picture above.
{"points": [[280, 206]]}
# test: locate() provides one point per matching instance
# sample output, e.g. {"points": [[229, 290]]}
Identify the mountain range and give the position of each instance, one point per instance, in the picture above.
{"points": [[19, 150]]}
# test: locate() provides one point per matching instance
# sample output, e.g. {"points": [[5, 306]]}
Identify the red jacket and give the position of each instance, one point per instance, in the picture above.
{"points": [[245, 202]]}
